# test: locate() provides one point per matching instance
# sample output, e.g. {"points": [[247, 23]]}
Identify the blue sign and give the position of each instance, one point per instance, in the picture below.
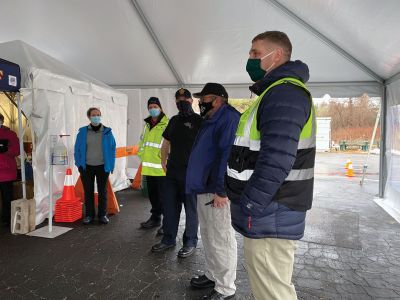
{"points": [[10, 76]]}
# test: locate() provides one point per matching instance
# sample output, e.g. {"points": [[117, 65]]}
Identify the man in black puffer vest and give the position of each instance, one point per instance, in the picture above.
{"points": [[270, 172]]}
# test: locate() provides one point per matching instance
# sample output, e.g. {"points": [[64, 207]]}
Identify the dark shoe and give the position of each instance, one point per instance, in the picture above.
{"points": [[202, 282], [214, 295], [150, 223], [186, 251], [104, 220], [87, 220], [160, 231], [161, 247]]}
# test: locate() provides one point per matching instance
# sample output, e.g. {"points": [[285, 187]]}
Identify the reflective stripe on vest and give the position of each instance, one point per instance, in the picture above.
{"points": [[294, 175], [151, 165], [248, 136], [154, 145]]}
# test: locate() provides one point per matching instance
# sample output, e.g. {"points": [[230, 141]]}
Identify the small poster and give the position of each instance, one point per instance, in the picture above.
{"points": [[12, 80]]}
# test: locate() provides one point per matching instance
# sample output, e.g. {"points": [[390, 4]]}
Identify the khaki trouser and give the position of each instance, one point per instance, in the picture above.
{"points": [[269, 263], [220, 247]]}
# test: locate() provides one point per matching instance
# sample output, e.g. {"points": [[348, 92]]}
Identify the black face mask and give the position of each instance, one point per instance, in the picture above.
{"points": [[184, 107], [205, 107]]}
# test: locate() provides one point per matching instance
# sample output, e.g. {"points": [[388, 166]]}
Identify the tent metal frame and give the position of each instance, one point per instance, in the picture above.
{"points": [[246, 85], [392, 79], [325, 39], [379, 81], [156, 40]]}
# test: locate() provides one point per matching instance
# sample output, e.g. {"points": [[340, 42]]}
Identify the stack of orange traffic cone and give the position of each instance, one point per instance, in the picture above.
{"points": [[348, 162], [68, 207], [350, 171]]}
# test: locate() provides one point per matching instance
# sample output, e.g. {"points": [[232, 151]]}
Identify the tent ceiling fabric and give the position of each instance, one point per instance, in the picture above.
{"points": [[367, 29], [216, 46], [204, 40], [105, 39]]}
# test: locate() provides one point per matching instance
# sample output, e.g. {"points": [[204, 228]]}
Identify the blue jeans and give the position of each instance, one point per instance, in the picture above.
{"points": [[174, 197]]}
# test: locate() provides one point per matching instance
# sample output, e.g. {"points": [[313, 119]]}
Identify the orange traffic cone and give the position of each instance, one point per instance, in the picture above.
{"points": [[69, 189], [138, 179], [348, 162], [68, 207], [350, 171], [112, 202]]}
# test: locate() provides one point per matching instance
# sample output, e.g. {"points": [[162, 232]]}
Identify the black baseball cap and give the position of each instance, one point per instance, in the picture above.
{"points": [[183, 93], [154, 100], [214, 89]]}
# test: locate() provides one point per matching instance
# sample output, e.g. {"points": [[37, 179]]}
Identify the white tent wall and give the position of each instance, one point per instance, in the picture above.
{"points": [[391, 200], [57, 105], [137, 112]]}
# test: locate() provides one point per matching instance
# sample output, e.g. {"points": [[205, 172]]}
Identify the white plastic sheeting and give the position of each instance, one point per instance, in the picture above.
{"points": [[391, 201], [57, 104]]}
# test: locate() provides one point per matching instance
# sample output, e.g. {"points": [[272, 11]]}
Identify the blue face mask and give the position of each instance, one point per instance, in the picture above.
{"points": [[96, 120], [154, 112]]}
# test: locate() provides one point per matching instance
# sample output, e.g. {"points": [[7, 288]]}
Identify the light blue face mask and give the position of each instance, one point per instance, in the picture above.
{"points": [[96, 120], [154, 112]]}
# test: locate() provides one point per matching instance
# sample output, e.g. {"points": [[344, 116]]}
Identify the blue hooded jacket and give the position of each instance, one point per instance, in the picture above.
{"points": [[108, 144], [208, 159], [283, 112]]}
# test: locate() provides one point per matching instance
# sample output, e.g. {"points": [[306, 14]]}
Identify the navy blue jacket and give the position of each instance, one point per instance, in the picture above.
{"points": [[109, 149], [283, 111], [208, 159]]}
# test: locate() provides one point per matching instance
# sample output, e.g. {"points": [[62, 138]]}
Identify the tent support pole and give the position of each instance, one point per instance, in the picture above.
{"points": [[21, 146], [393, 78], [326, 40], [365, 167], [382, 152]]}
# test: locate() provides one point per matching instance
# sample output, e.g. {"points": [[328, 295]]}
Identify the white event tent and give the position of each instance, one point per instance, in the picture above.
{"points": [[152, 47]]}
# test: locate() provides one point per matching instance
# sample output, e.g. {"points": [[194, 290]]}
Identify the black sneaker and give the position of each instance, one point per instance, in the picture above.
{"points": [[186, 251], [160, 247], [87, 220], [150, 223], [202, 282], [104, 220], [214, 295]]}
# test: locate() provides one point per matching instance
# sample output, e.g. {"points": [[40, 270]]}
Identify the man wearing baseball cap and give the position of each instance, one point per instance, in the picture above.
{"points": [[179, 137], [205, 178]]}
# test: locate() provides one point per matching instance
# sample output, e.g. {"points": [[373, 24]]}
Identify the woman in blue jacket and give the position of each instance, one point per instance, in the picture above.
{"points": [[95, 158]]}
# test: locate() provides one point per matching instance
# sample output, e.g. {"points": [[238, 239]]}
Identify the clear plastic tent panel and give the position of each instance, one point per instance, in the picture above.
{"points": [[392, 191]]}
